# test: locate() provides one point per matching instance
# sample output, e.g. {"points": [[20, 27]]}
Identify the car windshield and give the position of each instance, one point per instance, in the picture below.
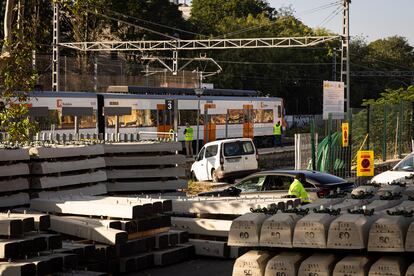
{"points": [[406, 164], [251, 184]]}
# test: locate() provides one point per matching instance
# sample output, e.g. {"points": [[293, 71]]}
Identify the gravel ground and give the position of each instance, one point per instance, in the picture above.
{"points": [[196, 267]]}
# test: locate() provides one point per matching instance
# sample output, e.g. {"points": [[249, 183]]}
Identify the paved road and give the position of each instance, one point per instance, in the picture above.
{"points": [[197, 267]]}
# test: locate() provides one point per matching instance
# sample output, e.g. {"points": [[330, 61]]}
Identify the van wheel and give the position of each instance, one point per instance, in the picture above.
{"points": [[214, 176], [193, 177]]}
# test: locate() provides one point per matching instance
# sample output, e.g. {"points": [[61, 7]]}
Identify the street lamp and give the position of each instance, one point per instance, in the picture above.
{"points": [[198, 92]]}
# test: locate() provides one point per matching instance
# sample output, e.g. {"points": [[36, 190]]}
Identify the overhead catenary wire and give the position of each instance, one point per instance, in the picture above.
{"points": [[330, 17]]}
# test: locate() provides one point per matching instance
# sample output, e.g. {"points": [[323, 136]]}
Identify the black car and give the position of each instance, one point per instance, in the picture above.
{"points": [[277, 182]]}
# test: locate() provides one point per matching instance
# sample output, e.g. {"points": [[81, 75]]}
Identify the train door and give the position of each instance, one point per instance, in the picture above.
{"points": [[165, 119], [248, 121], [209, 125]]}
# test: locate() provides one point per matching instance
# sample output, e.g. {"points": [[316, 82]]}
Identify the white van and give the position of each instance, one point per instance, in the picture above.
{"points": [[225, 159]]}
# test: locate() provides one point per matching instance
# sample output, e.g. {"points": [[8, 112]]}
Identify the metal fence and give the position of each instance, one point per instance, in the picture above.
{"points": [[385, 129]]}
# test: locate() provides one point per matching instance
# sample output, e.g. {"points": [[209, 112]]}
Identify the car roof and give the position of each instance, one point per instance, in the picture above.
{"points": [[227, 140], [320, 177]]}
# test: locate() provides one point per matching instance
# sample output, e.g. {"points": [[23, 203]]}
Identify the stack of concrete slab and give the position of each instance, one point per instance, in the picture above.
{"points": [[14, 174], [145, 166], [208, 221], [61, 170], [135, 230]]}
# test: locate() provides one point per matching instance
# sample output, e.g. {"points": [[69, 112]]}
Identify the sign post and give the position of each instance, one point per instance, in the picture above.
{"points": [[345, 135], [365, 163], [333, 99]]}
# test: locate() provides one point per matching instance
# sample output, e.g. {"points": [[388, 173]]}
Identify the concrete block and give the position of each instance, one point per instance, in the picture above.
{"points": [[312, 231], [41, 221], [364, 189], [409, 240], [245, 230], [146, 173], [87, 231], [132, 186], [136, 262], [11, 227], [61, 151], [286, 263], [353, 266], [252, 263], [14, 169], [142, 147], [139, 160], [182, 235], [14, 200], [209, 227], [66, 166], [17, 269], [14, 154], [46, 182], [172, 238], [132, 247], [277, 230], [388, 233], [9, 248], [237, 251], [390, 189], [91, 190], [409, 191], [161, 241], [46, 265], [114, 224], [319, 263], [81, 273], [350, 231], [351, 203], [389, 265], [380, 205], [171, 255], [13, 185], [410, 270], [217, 249]]}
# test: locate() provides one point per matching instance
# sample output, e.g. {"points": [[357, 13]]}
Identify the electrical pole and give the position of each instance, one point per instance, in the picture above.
{"points": [[345, 59], [55, 58]]}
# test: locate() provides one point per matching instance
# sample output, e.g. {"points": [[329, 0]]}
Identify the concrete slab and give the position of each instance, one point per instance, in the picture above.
{"points": [[85, 230], [14, 154], [41, 221], [245, 230], [91, 190], [353, 266], [14, 200], [66, 166], [216, 249], [136, 262], [390, 189], [60, 151], [46, 182], [380, 205], [139, 160], [14, 170], [409, 240], [27, 222], [409, 191], [312, 231], [17, 269], [252, 263], [133, 186], [286, 263], [10, 227], [86, 206], [277, 230], [364, 189], [146, 173], [172, 255], [208, 227], [319, 263], [142, 147], [12, 185], [389, 265], [114, 224], [350, 231]]}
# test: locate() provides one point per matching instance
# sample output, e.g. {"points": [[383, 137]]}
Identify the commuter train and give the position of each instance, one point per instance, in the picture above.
{"points": [[223, 113]]}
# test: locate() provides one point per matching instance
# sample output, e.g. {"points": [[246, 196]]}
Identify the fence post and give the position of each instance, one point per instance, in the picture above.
{"points": [[330, 152], [368, 123], [401, 110], [384, 135], [313, 144]]}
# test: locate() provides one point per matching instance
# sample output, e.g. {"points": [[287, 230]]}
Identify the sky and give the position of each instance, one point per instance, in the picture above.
{"points": [[372, 19]]}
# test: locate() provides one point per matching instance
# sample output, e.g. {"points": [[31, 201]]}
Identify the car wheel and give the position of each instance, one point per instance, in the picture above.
{"points": [[214, 176], [193, 177]]}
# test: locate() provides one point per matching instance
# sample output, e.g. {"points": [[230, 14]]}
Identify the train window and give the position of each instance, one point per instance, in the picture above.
{"points": [[219, 119], [236, 116], [88, 121], [279, 111], [45, 123], [263, 115], [138, 118], [68, 122], [189, 116]]}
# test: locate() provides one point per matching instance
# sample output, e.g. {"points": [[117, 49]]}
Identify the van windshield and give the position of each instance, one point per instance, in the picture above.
{"points": [[238, 148]]}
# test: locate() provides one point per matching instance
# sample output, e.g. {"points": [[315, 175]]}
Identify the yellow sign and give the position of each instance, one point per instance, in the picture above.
{"points": [[365, 163], [345, 134]]}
